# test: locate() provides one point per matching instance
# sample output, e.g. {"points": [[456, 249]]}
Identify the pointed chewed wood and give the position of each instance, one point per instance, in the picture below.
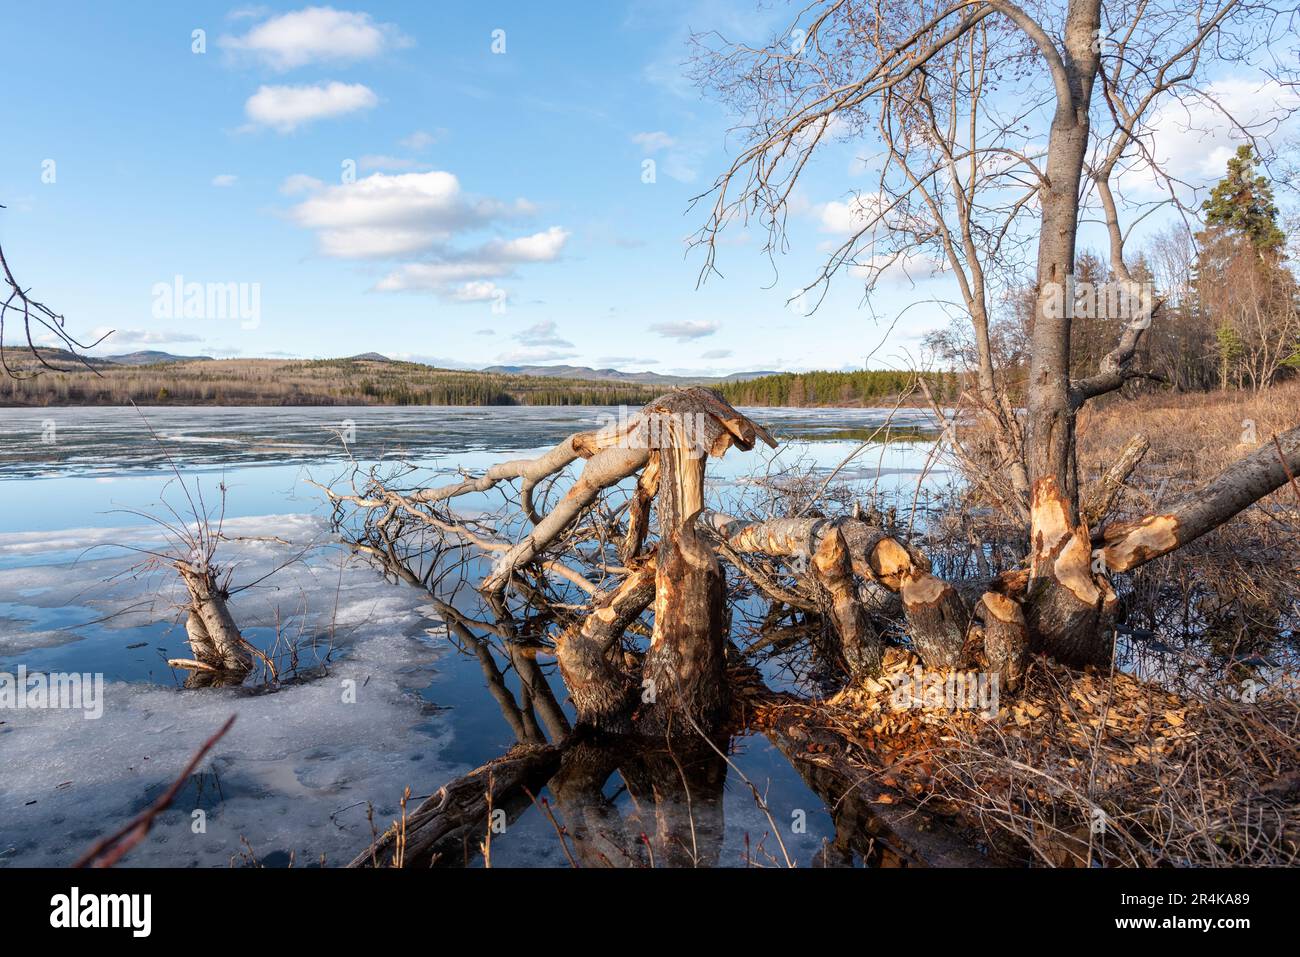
{"points": [[1069, 609]]}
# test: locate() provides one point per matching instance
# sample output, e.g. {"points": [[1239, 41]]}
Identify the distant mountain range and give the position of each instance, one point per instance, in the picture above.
{"points": [[614, 375], [147, 357]]}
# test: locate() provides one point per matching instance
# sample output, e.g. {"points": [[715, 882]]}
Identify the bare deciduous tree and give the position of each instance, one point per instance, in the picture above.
{"points": [[999, 127]]}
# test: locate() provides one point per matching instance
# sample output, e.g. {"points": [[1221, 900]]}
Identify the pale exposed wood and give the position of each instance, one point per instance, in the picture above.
{"points": [[684, 665], [1069, 608], [638, 515], [213, 636]]}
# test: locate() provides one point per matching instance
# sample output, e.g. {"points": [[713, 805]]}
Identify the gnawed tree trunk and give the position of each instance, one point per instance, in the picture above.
{"points": [[220, 651], [685, 664], [937, 618], [1005, 636], [1070, 610], [859, 643], [638, 515]]}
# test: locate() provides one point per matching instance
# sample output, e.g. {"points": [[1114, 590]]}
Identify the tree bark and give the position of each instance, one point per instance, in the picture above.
{"points": [[684, 666], [590, 658], [213, 636]]}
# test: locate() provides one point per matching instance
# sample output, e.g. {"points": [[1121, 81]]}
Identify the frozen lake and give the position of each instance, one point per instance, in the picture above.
{"points": [[80, 493]]}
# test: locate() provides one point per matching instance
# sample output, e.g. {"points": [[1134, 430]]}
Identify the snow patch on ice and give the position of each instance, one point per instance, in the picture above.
{"points": [[295, 774]]}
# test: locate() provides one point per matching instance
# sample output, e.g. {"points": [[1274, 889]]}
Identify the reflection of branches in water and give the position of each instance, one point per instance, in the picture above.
{"points": [[573, 574], [674, 787]]}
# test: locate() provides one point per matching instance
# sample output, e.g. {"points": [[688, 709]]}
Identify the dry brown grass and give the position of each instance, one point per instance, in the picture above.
{"points": [[1233, 594], [1193, 435]]}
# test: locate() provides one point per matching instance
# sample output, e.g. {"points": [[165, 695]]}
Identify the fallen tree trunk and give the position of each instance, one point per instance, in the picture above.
{"points": [[456, 816], [1240, 485]]}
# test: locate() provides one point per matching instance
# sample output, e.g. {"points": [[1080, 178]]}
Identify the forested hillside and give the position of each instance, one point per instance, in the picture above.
{"points": [[320, 382], [863, 388]]}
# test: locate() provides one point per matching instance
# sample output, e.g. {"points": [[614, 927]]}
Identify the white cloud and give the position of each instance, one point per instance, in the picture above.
{"points": [[374, 242], [654, 142], [686, 330], [315, 34], [493, 260], [1192, 140], [533, 355], [539, 247], [397, 216], [285, 108], [419, 140], [851, 216], [716, 354], [385, 215], [542, 334], [225, 179], [478, 291], [299, 183]]}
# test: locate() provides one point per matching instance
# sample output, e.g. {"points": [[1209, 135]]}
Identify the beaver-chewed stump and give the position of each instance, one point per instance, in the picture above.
{"points": [[682, 677], [221, 655]]}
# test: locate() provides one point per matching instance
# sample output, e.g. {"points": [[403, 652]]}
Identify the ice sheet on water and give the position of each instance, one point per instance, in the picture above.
{"points": [[17, 636], [296, 771]]}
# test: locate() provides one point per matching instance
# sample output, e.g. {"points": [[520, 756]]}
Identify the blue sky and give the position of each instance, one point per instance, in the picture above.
{"points": [[387, 182]]}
